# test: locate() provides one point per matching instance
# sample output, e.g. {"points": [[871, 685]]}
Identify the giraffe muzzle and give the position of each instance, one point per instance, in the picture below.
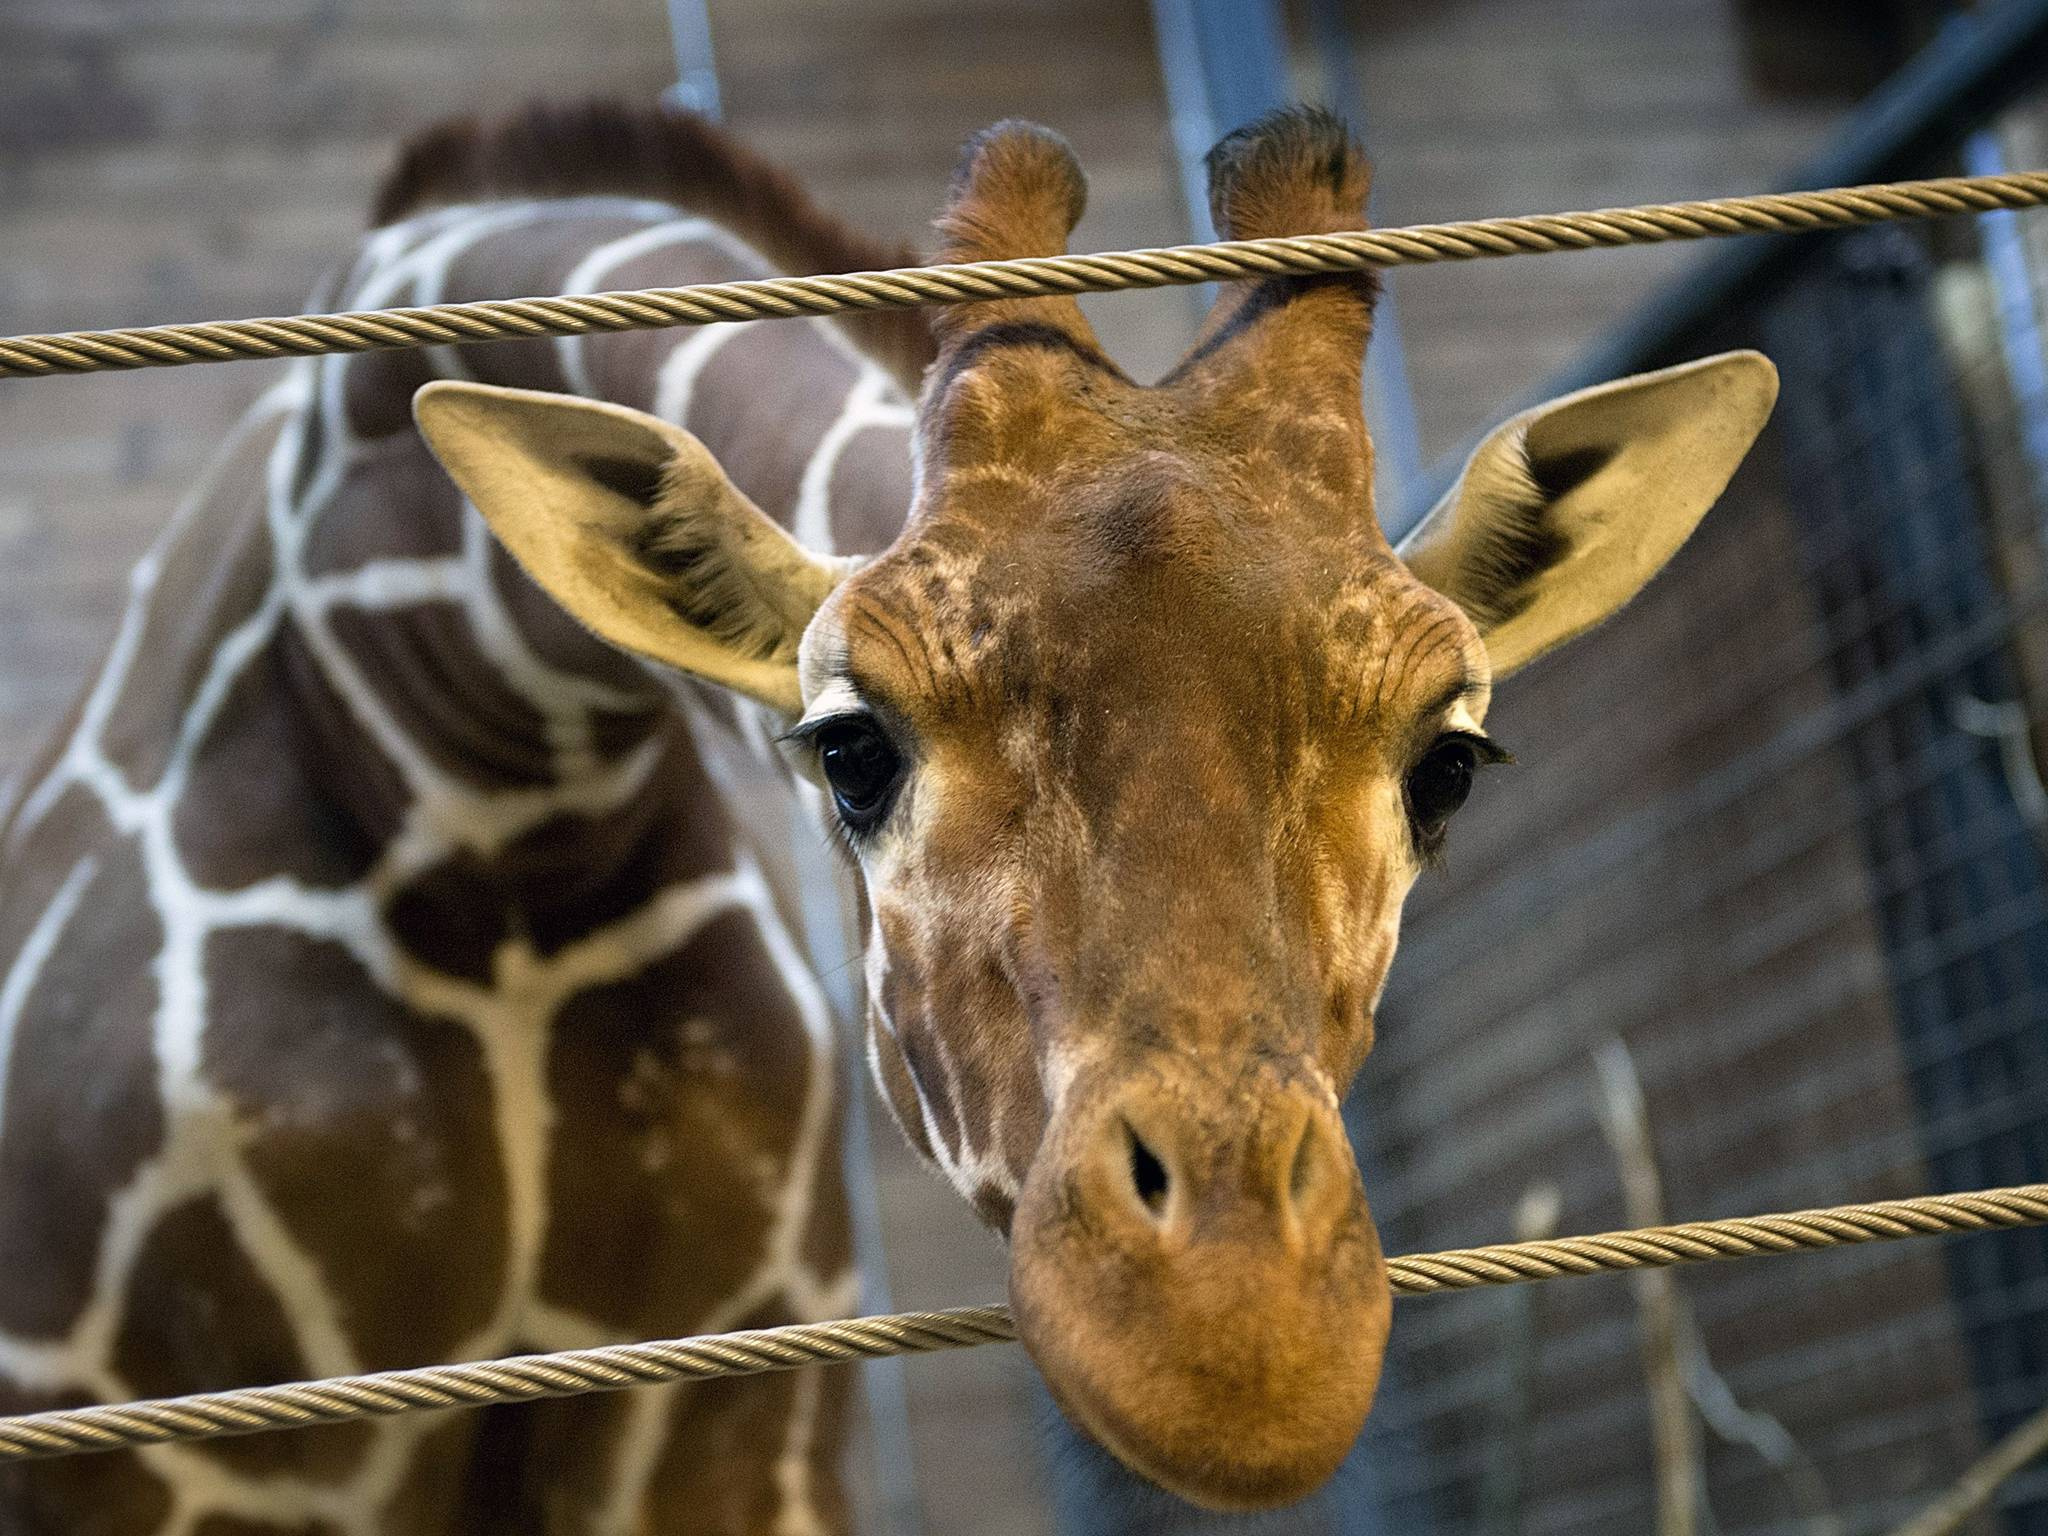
{"points": [[1195, 1272]]}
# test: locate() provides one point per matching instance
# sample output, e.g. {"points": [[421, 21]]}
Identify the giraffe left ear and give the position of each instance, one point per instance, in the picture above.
{"points": [[629, 524], [1566, 511]]}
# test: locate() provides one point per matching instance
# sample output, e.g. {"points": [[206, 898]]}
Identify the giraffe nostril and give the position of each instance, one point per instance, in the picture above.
{"points": [[1148, 1174]]}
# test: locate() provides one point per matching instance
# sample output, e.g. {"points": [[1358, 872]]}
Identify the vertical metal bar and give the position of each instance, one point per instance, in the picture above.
{"points": [[696, 87], [1389, 398], [1240, 50], [1190, 119], [834, 952], [831, 951], [1225, 63], [2019, 320]]}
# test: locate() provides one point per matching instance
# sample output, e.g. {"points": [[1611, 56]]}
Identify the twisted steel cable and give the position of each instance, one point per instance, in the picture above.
{"points": [[522, 1378], [1736, 1237], [169, 346], [76, 1431]]}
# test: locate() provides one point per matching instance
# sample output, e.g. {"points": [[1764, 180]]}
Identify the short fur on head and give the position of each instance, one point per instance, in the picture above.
{"points": [[1017, 191], [1150, 733]]}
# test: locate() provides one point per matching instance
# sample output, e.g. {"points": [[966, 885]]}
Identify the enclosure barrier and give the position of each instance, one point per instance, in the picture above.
{"points": [[170, 346], [68, 1432], [570, 1373]]}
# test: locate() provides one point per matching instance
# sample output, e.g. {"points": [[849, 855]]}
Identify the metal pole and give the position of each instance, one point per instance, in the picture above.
{"points": [[834, 953], [1389, 398], [2019, 322], [1225, 63], [696, 87]]}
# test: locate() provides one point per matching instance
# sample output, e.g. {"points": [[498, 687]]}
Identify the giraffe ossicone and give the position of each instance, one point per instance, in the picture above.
{"points": [[1137, 733]]}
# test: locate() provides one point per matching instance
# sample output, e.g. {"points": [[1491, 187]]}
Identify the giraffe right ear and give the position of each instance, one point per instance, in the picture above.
{"points": [[629, 524], [1564, 512]]}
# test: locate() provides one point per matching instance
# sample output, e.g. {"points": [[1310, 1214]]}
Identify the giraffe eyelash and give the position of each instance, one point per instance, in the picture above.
{"points": [[804, 734], [1491, 754]]}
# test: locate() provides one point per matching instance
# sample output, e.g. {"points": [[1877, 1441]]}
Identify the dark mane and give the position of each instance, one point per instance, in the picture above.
{"points": [[600, 147]]}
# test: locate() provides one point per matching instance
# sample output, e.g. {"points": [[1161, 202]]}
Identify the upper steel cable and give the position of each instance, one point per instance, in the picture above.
{"points": [[219, 341]]}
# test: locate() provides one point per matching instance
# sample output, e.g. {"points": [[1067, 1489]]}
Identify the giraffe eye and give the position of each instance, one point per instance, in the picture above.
{"points": [[1439, 784], [862, 767]]}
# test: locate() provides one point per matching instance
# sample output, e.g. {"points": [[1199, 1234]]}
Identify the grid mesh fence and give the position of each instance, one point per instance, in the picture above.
{"points": [[1783, 837]]}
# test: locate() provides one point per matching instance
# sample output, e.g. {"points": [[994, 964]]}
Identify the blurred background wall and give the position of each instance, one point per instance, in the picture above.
{"points": [[184, 159]]}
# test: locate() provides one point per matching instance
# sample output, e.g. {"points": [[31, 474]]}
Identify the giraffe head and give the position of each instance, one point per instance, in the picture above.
{"points": [[1138, 735]]}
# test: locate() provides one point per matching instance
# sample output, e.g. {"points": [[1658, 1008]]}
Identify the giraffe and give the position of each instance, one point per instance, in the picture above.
{"points": [[396, 967], [391, 973], [1135, 735]]}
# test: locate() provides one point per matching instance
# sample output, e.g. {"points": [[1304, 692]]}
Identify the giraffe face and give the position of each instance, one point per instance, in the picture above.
{"points": [[1129, 773], [1138, 735], [1137, 784]]}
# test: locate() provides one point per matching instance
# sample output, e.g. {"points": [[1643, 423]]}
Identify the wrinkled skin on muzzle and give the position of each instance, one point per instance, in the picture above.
{"points": [[1195, 1271]]}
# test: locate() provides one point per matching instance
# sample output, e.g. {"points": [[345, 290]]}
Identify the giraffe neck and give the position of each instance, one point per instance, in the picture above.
{"points": [[509, 776], [484, 677]]}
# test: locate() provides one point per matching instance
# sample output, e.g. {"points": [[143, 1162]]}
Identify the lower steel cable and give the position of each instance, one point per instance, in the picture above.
{"points": [[211, 1415]]}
